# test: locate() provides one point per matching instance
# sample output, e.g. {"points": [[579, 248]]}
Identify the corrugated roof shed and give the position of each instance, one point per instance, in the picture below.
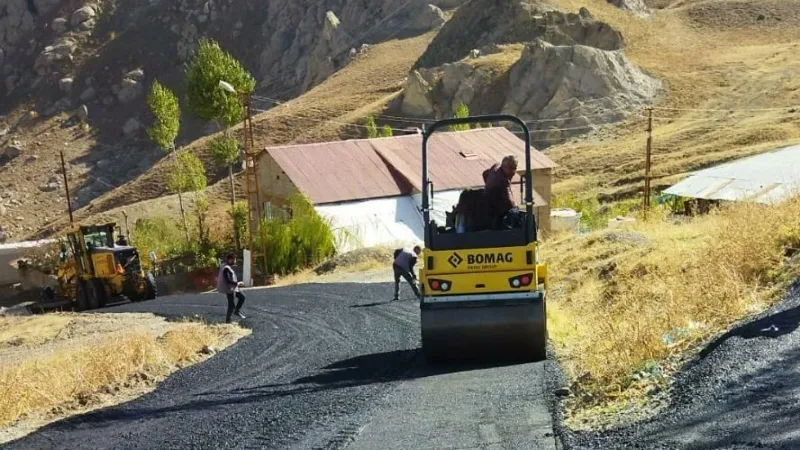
{"points": [[358, 169], [456, 160], [765, 178], [332, 172]]}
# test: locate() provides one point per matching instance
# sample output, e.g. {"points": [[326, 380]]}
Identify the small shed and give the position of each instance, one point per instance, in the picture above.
{"points": [[766, 178], [371, 188]]}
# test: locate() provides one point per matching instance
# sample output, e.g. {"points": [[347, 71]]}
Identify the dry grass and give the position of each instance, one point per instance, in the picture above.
{"points": [[626, 304], [31, 330], [369, 262], [721, 67], [51, 380]]}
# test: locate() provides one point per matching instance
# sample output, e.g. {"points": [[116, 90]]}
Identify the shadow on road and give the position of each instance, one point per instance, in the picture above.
{"points": [[771, 326]]}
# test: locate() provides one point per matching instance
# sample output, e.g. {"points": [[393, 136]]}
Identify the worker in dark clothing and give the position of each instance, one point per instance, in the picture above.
{"points": [[497, 181], [404, 262], [228, 284]]}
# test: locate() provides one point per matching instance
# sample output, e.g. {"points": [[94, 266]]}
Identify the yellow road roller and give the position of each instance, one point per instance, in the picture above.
{"points": [[483, 287]]}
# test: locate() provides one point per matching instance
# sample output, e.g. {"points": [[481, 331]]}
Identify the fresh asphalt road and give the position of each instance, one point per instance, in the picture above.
{"points": [[742, 392], [328, 366]]}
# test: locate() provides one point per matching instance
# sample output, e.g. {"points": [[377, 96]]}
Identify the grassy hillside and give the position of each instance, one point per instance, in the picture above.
{"points": [[710, 54]]}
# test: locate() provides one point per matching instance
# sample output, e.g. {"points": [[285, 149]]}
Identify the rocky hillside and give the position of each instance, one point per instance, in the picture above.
{"points": [[570, 76], [64, 62], [570, 67]]}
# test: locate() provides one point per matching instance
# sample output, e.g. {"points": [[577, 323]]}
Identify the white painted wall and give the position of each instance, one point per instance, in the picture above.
{"points": [[440, 203], [394, 221], [10, 253]]}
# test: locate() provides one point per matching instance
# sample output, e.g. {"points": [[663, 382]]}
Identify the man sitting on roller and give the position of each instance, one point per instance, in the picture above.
{"points": [[497, 181]]}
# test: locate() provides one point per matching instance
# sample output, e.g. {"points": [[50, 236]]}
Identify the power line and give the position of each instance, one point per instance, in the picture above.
{"points": [[727, 110], [418, 120]]}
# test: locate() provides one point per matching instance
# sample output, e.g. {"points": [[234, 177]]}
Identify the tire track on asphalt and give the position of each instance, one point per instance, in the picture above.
{"points": [[310, 365]]}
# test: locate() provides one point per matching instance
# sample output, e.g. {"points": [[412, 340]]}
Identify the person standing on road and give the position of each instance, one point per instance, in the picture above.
{"points": [[404, 262], [228, 284]]}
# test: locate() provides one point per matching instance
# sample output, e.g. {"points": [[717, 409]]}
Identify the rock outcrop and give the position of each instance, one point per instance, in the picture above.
{"points": [[637, 7], [17, 20], [56, 55], [438, 92], [575, 87], [563, 89], [301, 42], [486, 22]]}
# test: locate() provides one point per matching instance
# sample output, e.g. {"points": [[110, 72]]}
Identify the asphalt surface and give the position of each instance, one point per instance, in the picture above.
{"points": [[327, 366], [741, 392]]}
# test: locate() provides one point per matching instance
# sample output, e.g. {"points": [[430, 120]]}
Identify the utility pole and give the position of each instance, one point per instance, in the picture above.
{"points": [[66, 186], [127, 230], [648, 152]]}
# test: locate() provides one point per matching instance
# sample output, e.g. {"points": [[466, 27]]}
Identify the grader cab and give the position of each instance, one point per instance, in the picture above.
{"points": [[93, 268]]}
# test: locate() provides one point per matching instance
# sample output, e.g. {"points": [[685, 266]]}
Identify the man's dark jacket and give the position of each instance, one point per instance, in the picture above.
{"points": [[498, 191]]}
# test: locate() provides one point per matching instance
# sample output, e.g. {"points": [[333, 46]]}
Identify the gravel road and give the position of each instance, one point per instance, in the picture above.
{"points": [[327, 366], [741, 392]]}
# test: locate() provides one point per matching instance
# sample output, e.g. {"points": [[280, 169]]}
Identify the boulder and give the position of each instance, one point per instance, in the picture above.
{"points": [[131, 126], [59, 25], [429, 17], [87, 25], [88, 94], [65, 84], [637, 7], [60, 52], [417, 95], [135, 75], [82, 113], [82, 15], [328, 55], [49, 187], [130, 90], [63, 104]]}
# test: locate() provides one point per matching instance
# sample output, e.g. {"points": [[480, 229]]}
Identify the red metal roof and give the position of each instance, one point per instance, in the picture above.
{"points": [[358, 169], [456, 160], [333, 172]]}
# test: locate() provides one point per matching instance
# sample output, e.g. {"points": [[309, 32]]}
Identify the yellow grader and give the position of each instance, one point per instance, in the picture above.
{"points": [[483, 288], [93, 268]]}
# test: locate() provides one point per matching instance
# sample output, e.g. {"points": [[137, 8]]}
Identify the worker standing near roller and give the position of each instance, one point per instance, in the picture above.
{"points": [[404, 262], [228, 284]]}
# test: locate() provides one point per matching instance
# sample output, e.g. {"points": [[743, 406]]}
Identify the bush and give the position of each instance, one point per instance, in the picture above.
{"points": [[301, 241], [159, 234], [239, 213], [595, 216]]}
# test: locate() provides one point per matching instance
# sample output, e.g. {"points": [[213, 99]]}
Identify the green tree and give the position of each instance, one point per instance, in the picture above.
{"points": [[187, 173], [201, 208], [461, 111], [386, 131], [164, 106], [240, 214], [372, 128], [225, 149], [206, 99]]}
